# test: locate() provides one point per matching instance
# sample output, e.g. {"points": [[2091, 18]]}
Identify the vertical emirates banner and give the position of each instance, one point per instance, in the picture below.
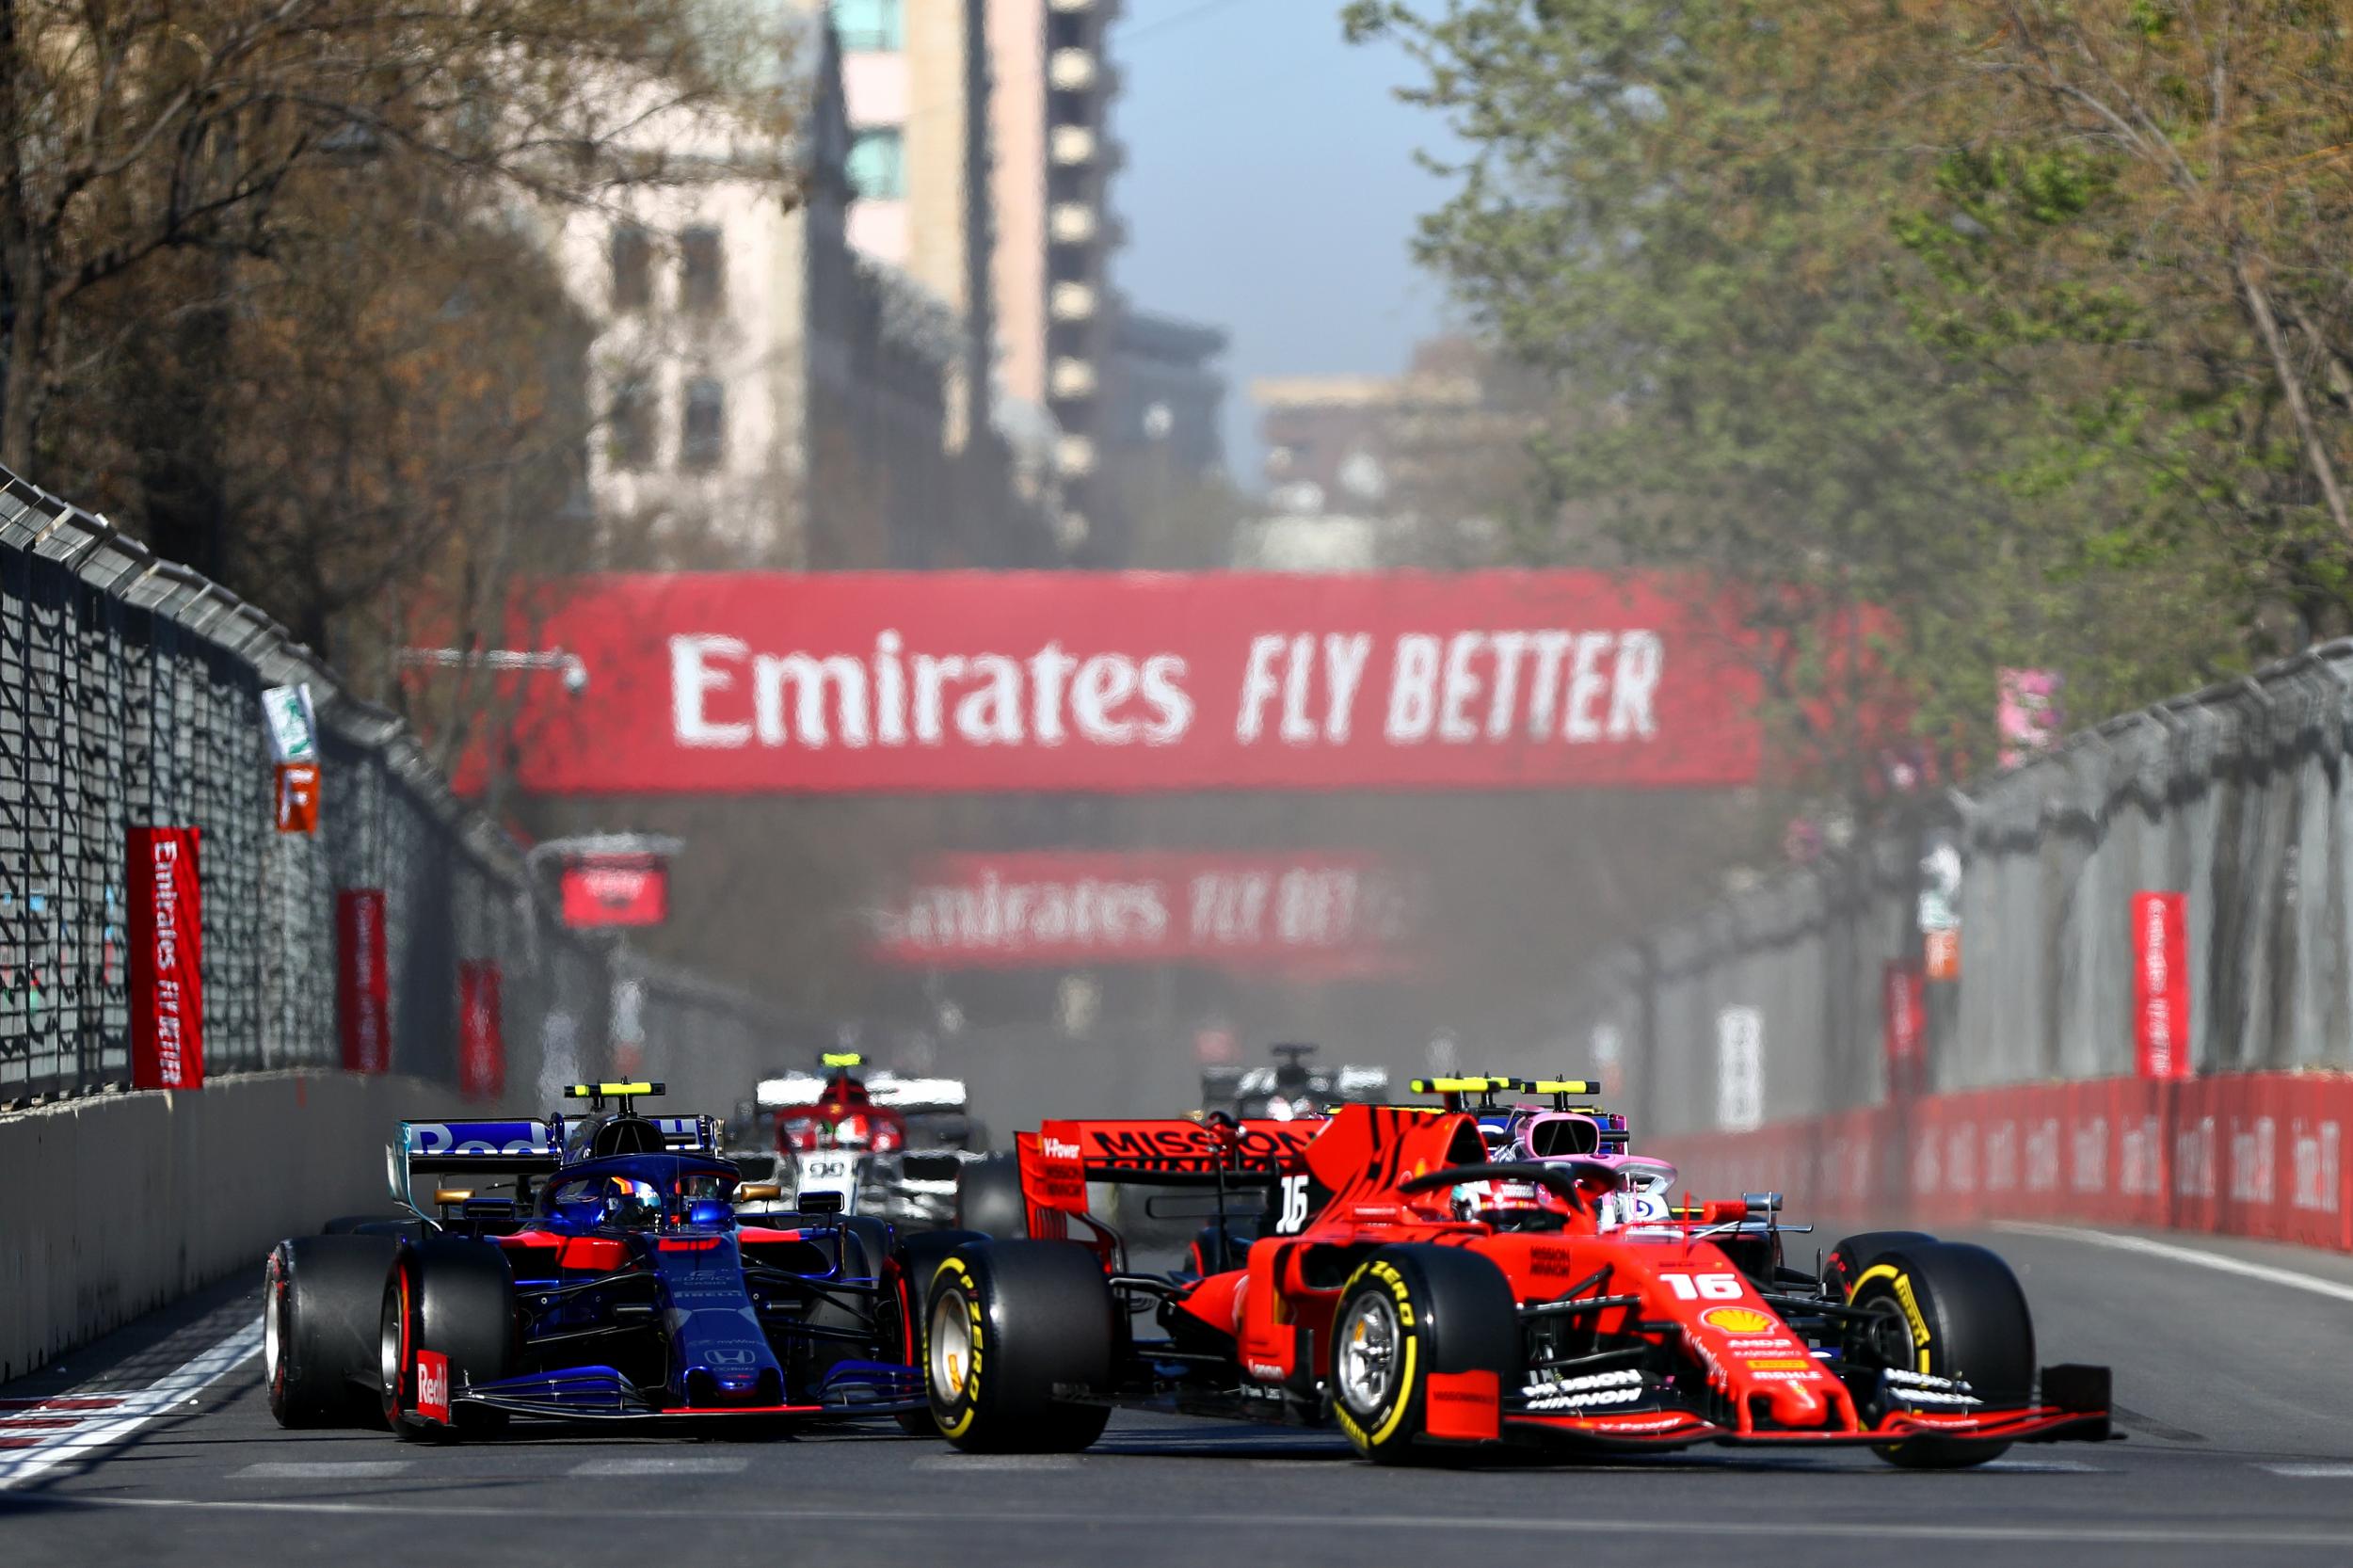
{"points": [[2161, 984], [362, 990], [481, 1038], [167, 934], [746, 682]]}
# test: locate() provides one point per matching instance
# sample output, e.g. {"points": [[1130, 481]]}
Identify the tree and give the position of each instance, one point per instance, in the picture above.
{"points": [[1890, 318]]}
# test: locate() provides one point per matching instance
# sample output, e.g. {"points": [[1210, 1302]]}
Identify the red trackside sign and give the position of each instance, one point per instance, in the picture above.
{"points": [[362, 985], [1131, 682], [167, 975]]}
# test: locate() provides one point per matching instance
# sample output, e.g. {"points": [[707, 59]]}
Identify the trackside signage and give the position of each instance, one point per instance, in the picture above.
{"points": [[166, 972], [2161, 984], [1128, 682], [362, 985], [1325, 912]]}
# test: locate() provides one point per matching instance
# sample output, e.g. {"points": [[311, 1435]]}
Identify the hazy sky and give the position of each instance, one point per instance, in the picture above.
{"points": [[1271, 189]]}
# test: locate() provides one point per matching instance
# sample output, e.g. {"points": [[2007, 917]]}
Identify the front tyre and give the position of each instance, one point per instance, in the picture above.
{"points": [[457, 1300], [1409, 1314], [1947, 1309], [1005, 1326]]}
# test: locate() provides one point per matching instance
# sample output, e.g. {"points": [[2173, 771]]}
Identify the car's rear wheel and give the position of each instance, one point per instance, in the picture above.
{"points": [[320, 1296], [1005, 1326], [918, 1260], [1409, 1314], [1951, 1311]]}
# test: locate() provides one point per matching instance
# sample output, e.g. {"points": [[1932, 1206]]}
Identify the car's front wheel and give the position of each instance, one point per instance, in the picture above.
{"points": [[1950, 1312]]}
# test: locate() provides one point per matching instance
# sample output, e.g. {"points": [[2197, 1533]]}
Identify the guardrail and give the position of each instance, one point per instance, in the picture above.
{"points": [[130, 694], [2236, 796]]}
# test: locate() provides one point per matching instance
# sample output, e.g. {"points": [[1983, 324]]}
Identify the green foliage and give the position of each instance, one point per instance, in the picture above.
{"points": [[1864, 304]]}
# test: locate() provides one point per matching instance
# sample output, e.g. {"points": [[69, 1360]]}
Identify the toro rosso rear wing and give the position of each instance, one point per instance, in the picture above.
{"points": [[511, 1149]]}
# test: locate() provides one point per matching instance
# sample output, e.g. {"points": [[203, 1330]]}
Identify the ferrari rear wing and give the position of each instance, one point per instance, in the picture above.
{"points": [[1062, 1157]]}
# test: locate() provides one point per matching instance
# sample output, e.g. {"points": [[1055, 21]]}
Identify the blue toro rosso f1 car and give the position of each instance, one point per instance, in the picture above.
{"points": [[625, 1273]]}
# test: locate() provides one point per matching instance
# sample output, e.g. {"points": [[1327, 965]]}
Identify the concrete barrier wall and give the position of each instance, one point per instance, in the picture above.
{"points": [[113, 1206]]}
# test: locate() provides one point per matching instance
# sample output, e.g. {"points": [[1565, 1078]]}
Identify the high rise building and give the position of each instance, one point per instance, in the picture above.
{"points": [[1049, 116]]}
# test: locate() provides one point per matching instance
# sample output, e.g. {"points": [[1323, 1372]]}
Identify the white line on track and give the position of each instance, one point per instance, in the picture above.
{"points": [[2311, 1472], [666, 1465], [997, 1461], [133, 1411], [323, 1470], [2237, 1537], [2171, 1253]]}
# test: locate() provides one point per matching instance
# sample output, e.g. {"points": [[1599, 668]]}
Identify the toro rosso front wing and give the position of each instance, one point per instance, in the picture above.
{"points": [[851, 1389]]}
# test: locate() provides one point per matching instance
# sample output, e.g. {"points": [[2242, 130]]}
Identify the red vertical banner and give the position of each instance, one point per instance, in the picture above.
{"points": [[167, 935], [481, 1040], [362, 990], [1903, 1006], [2161, 984]]}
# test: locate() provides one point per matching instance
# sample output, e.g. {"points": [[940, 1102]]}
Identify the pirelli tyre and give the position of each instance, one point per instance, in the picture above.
{"points": [[1409, 1314], [1949, 1311], [1857, 1253], [320, 1297], [452, 1301], [989, 1198], [1008, 1326], [917, 1258]]}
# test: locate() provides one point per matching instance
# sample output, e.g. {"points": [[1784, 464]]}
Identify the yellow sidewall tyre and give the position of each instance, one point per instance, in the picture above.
{"points": [[1405, 1313], [1961, 1315], [1005, 1325]]}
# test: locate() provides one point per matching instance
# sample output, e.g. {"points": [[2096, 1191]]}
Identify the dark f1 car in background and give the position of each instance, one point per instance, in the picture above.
{"points": [[1292, 1089], [610, 1280], [1384, 1294]]}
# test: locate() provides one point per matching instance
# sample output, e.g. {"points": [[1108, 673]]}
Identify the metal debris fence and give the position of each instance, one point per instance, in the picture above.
{"points": [[130, 694], [2236, 796]]}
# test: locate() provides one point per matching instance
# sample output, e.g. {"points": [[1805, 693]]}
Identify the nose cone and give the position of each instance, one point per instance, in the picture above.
{"points": [[1798, 1404]]}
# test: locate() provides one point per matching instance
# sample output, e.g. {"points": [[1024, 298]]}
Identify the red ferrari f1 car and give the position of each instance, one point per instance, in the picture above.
{"points": [[1384, 1289]]}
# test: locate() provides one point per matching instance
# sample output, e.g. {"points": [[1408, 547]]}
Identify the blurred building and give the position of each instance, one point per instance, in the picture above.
{"points": [[1164, 394], [1418, 468], [766, 397]]}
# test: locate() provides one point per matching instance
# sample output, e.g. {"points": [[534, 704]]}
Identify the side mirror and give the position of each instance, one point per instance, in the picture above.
{"points": [[758, 1192]]}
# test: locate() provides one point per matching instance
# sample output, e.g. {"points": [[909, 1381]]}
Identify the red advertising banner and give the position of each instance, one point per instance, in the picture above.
{"points": [[481, 1036], [363, 986], [166, 936], [1324, 911], [616, 890], [2161, 984], [1903, 998], [1129, 682]]}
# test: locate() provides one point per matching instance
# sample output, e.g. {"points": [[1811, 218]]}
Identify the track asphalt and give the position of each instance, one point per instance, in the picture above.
{"points": [[2235, 1388]]}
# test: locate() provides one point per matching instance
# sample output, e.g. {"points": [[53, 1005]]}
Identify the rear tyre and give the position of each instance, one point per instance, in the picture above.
{"points": [[320, 1296], [1847, 1260], [919, 1258], [1949, 1310], [456, 1299], [989, 1198], [1407, 1313], [1004, 1324]]}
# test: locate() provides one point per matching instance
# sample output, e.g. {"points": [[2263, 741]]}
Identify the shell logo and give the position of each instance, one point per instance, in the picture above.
{"points": [[1737, 1319]]}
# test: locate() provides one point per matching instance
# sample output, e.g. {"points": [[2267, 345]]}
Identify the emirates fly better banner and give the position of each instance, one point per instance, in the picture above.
{"points": [[756, 683]]}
